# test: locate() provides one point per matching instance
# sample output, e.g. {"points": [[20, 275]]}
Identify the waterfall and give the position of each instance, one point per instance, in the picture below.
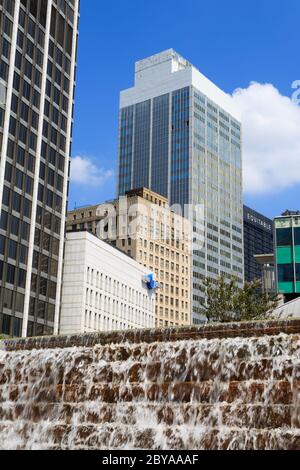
{"points": [[187, 392]]}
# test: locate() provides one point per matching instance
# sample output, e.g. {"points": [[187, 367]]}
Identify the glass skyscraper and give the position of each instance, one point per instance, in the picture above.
{"points": [[180, 136], [38, 45]]}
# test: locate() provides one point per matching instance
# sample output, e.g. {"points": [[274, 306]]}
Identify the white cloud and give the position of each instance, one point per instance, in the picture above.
{"points": [[271, 136], [85, 172]]}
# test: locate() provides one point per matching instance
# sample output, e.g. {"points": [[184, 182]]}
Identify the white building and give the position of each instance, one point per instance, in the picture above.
{"points": [[180, 136], [103, 288]]}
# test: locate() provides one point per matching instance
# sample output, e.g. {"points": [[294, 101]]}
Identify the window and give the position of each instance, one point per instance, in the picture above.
{"points": [[12, 249], [297, 235], [22, 278], [2, 245], [298, 272], [10, 275], [286, 273], [284, 237], [6, 322]]}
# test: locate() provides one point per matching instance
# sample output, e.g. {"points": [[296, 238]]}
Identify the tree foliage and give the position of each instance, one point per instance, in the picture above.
{"points": [[227, 302]]}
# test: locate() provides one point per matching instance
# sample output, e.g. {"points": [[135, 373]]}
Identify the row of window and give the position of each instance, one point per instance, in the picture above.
{"points": [[123, 310], [286, 272], [99, 322], [285, 236], [102, 281]]}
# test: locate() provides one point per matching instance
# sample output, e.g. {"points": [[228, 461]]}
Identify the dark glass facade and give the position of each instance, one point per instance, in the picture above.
{"points": [[180, 157], [160, 145], [126, 148], [141, 155], [258, 240], [145, 131], [38, 113]]}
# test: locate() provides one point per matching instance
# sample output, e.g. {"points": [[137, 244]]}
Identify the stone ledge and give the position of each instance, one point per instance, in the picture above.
{"points": [[216, 331]]}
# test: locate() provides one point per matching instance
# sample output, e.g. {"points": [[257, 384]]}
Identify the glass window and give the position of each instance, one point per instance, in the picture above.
{"points": [[3, 220], [297, 235], [298, 272], [12, 249], [2, 245], [284, 237], [6, 322], [286, 273], [10, 275], [7, 298], [14, 225], [22, 278], [17, 325]]}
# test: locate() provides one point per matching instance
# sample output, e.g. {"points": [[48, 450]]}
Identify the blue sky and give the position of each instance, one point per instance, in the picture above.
{"points": [[233, 43]]}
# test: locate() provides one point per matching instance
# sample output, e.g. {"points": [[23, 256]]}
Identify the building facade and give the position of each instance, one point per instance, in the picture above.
{"points": [[142, 226], [267, 264], [258, 240], [287, 254], [38, 44], [103, 289], [180, 136], [84, 219]]}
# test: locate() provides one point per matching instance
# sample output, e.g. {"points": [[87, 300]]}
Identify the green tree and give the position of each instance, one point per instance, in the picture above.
{"points": [[227, 302]]}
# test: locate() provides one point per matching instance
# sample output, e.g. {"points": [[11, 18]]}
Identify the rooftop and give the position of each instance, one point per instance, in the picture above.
{"points": [[168, 71]]}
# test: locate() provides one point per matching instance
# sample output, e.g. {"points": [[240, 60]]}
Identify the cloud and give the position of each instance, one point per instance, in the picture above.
{"points": [[85, 172], [271, 138]]}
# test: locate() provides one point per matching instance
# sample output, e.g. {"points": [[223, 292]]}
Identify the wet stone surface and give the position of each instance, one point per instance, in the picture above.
{"points": [[213, 387]]}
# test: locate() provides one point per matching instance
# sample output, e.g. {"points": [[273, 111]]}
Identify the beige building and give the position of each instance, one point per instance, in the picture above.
{"points": [[142, 225]]}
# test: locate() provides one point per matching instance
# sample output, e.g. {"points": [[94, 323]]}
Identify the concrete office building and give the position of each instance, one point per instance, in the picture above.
{"points": [[38, 43], [258, 240], [103, 289], [180, 136], [159, 240], [287, 254]]}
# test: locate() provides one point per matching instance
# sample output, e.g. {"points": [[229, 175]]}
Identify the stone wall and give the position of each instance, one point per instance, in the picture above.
{"points": [[231, 386], [209, 331]]}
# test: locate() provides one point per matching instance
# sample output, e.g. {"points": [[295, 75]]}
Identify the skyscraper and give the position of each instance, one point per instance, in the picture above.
{"points": [[38, 46], [180, 136]]}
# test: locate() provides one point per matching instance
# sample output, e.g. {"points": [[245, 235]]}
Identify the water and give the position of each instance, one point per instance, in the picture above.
{"points": [[236, 393]]}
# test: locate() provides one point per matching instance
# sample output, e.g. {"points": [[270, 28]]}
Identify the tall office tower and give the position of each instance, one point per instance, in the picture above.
{"points": [[258, 240], [180, 136], [38, 47]]}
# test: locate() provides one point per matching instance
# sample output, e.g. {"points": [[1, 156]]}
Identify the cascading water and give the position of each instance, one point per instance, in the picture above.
{"points": [[197, 393]]}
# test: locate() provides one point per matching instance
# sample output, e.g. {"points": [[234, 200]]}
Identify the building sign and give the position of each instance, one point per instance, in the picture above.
{"points": [[262, 223]]}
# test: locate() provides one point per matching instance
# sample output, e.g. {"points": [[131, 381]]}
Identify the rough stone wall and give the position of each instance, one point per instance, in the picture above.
{"points": [[231, 386]]}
